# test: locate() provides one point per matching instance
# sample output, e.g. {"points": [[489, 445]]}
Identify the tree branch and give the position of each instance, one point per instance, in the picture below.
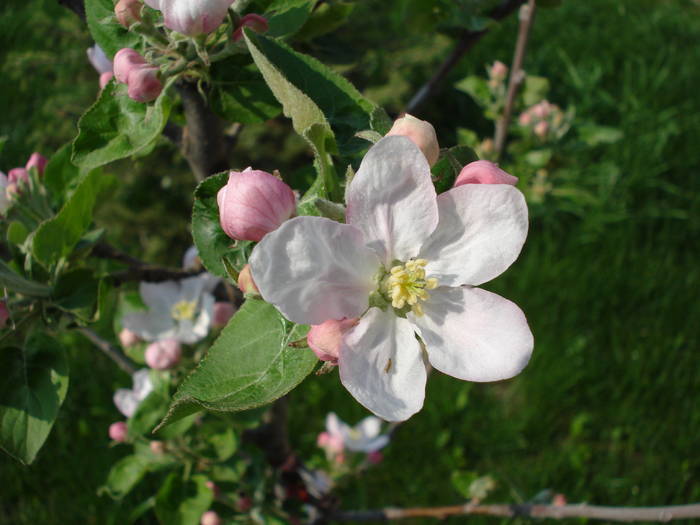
{"points": [[517, 75], [110, 351], [582, 510], [77, 6], [465, 43]]}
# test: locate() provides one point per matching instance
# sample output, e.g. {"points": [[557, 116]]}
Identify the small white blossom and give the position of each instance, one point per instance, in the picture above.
{"points": [[365, 437], [128, 400]]}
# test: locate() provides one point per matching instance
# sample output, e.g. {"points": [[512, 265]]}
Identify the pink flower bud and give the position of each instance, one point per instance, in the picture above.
{"points": [[125, 60], [559, 500], [332, 443], [11, 190], [256, 22], [192, 17], [128, 338], [498, 70], [325, 338], [214, 488], [128, 12], [422, 133], [244, 503], [105, 78], [38, 161], [253, 203], [222, 313], [163, 355], [541, 109], [157, 447], [245, 281], [118, 431], [210, 517], [144, 84], [484, 172], [541, 129], [18, 175], [375, 457], [4, 314], [525, 118]]}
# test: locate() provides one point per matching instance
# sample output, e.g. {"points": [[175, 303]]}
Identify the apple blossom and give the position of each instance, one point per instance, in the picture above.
{"points": [[210, 517], [128, 338], [246, 283], [498, 70], [364, 437], [18, 175], [38, 161], [324, 339], [254, 203], [128, 400], [192, 17], [407, 263], [128, 12], [125, 61], [163, 354], [181, 310], [118, 431], [191, 260], [484, 172], [157, 447], [421, 132], [99, 60], [541, 129], [223, 311], [255, 22], [144, 84]]}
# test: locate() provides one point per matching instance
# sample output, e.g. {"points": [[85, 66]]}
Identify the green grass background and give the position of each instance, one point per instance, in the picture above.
{"points": [[607, 410]]}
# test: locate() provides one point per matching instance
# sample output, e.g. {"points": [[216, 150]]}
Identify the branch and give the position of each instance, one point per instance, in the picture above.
{"points": [[77, 6], [582, 510], [111, 351], [271, 436], [465, 43], [526, 15]]}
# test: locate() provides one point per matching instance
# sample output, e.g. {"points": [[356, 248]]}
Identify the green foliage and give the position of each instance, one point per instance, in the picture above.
{"points": [[183, 501], [104, 28], [286, 17], [326, 18], [451, 162], [116, 127], [249, 365], [32, 391], [15, 282], [125, 474]]}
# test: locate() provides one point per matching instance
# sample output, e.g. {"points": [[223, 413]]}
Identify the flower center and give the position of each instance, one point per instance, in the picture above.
{"points": [[406, 285], [183, 310]]}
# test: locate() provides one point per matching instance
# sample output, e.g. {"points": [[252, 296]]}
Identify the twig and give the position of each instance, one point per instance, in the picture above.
{"points": [[111, 351], [517, 75], [77, 6], [103, 250], [583, 510], [465, 43]]}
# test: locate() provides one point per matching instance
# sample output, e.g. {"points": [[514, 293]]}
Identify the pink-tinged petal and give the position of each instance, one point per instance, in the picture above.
{"points": [[473, 334], [484, 172], [381, 365], [481, 232], [392, 199], [313, 269]]}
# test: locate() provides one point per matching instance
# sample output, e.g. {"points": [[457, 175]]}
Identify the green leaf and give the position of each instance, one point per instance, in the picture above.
{"points": [[182, 502], [115, 127], [34, 385], [125, 475], [17, 233], [249, 365], [535, 89], [286, 17], [60, 172], [17, 283], [56, 237], [76, 292], [212, 243], [104, 28], [326, 18], [594, 135], [451, 162], [221, 439], [239, 93], [478, 88]]}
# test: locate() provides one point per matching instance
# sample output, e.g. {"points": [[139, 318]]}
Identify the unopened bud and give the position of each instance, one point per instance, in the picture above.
{"points": [[253, 203], [128, 338], [125, 61], [214, 488], [331, 443], [38, 161], [422, 134], [223, 311], [484, 172], [128, 12], [192, 17], [541, 129], [525, 118], [559, 500], [498, 70], [246, 284], [210, 517], [157, 447], [542, 109], [118, 431], [144, 84], [163, 355], [375, 457], [325, 339], [255, 22], [105, 78], [18, 175], [244, 503], [4, 314]]}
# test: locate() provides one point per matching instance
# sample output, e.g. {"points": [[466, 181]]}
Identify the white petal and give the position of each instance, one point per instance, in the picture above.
{"points": [[333, 424], [473, 334], [392, 199], [150, 326], [200, 328], [160, 297], [314, 269], [142, 383], [381, 364], [481, 232], [125, 401], [370, 426]]}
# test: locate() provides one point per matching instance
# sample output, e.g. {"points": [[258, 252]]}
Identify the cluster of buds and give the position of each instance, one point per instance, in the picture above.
{"points": [[101, 63], [13, 183], [164, 354], [544, 119], [142, 78], [497, 74]]}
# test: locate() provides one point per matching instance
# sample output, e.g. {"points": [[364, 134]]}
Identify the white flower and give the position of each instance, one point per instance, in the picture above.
{"points": [[99, 60], [407, 262], [363, 437], [126, 400], [192, 17], [180, 310]]}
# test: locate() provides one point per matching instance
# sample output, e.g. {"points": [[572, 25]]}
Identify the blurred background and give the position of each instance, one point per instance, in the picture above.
{"points": [[607, 410]]}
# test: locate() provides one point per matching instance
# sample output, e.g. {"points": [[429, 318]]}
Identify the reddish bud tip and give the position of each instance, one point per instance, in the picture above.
{"points": [[163, 355], [484, 172], [255, 22], [325, 338], [118, 431]]}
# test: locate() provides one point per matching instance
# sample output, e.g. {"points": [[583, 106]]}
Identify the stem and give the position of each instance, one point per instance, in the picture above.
{"points": [[465, 43], [582, 510], [517, 75], [111, 351]]}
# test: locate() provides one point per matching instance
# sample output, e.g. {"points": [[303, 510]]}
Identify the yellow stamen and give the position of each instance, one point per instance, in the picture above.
{"points": [[406, 284], [183, 310]]}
